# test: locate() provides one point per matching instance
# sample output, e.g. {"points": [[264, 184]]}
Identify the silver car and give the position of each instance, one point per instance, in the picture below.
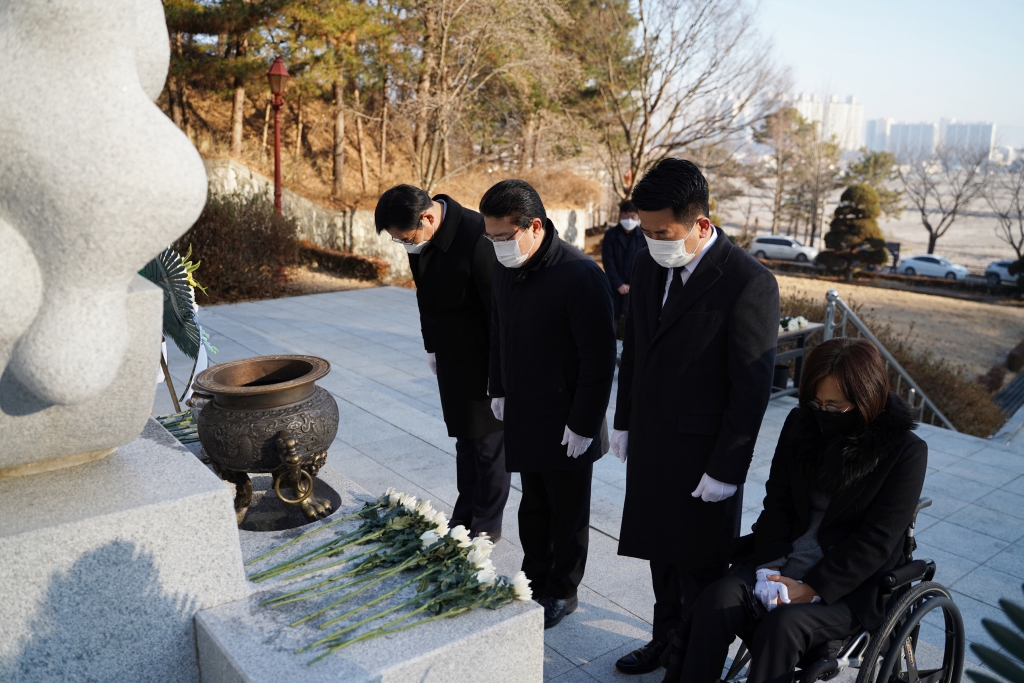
{"points": [[779, 247], [998, 272], [931, 265]]}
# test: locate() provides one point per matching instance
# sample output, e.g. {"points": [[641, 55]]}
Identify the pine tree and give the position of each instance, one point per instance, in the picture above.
{"points": [[854, 237]]}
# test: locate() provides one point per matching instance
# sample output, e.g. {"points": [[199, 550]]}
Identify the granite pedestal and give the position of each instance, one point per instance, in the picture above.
{"points": [[242, 642], [103, 566]]}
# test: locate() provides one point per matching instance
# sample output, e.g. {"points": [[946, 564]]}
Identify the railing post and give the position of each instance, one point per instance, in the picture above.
{"points": [[830, 313]]}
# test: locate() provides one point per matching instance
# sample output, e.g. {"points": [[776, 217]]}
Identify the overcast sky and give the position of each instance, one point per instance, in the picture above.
{"points": [[912, 60]]}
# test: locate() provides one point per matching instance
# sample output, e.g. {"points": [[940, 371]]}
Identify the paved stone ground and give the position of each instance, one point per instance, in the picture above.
{"points": [[391, 434]]}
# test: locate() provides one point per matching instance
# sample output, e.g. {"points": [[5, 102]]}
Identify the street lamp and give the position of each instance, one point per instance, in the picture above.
{"points": [[277, 77]]}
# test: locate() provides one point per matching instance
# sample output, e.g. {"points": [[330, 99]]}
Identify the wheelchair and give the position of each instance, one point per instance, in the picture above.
{"points": [[888, 653]]}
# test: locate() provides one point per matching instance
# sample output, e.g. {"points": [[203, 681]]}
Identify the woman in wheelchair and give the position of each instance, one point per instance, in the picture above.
{"points": [[843, 488]]}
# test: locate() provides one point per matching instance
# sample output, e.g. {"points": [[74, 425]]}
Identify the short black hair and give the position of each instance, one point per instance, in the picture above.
{"points": [[675, 184], [401, 208], [627, 207], [513, 199]]}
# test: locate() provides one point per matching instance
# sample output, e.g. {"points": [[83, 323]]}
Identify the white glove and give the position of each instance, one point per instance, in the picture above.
{"points": [[432, 362], [713, 491], [498, 408], [577, 444], [619, 439], [770, 593]]}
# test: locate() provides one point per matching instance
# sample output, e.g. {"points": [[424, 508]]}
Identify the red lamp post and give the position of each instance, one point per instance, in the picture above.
{"points": [[278, 77]]}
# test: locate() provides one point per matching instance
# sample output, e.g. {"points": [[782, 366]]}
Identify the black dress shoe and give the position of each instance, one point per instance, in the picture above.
{"points": [[643, 659], [555, 609], [495, 535]]}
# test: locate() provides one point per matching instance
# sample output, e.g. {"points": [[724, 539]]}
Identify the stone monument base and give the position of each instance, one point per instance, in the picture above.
{"points": [[104, 565], [242, 642]]}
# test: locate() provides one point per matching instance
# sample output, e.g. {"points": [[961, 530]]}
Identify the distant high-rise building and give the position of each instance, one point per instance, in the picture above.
{"points": [[982, 135], [843, 120], [910, 141], [876, 134]]}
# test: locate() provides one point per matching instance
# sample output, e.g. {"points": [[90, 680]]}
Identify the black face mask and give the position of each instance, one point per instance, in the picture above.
{"points": [[833, 425]]}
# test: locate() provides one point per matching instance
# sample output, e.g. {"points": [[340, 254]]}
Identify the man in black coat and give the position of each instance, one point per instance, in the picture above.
{"points": [[619, 248], [694, 382], [452, 264], [552, 364]]}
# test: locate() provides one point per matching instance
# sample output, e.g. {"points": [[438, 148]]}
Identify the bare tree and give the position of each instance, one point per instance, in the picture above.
{"points": [[820, 172], [699, 74], [465, 45], [942, 185], [783, 132], [1005, 196]]}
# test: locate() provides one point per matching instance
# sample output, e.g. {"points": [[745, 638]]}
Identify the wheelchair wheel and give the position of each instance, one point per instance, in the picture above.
{"points": [[892, 656]]}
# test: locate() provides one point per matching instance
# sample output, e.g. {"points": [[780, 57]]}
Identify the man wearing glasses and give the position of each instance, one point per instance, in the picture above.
{"points": [[452, 265], [552, 363]]}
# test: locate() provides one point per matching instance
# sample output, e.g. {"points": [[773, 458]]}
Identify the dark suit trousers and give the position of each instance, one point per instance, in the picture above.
{"points": [[554, 529], [777, 640], [675, 591], [482, 481]]}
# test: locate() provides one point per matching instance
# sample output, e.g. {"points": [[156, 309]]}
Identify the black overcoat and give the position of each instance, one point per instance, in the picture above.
{"points": [[875, 484], [618, 251], [694, 382], [453, 290], [552, 354]]}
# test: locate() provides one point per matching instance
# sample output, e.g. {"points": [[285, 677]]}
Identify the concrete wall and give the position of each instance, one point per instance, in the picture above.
{"points": [[353, 230]]}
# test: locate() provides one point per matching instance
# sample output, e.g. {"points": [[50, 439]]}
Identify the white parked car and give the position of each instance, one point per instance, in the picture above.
{"points": [[932, 266], [998, 272], [779, 247]]}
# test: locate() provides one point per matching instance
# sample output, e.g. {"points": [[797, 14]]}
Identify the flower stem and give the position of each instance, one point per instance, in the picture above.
{"points": [[306, 535], [372, 582], [385, 631], [376, 600], [324, 552], [289, 598]]}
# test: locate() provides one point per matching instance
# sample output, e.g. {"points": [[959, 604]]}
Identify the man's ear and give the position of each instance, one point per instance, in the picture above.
{"points": [[536, 224], [705, 226]]}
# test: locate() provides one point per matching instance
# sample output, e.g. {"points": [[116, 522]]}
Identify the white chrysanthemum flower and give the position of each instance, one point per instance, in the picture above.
{"points": [[429, 538], [479, 555], [425, 510], [408, 502], [395, 498], [487, 576], [441, 527], [521, 584], [461, 534]]}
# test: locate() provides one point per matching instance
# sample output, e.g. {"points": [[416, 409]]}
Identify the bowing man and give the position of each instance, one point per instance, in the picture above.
{"points": [[694, 381], [552, 365], [452, 265]]}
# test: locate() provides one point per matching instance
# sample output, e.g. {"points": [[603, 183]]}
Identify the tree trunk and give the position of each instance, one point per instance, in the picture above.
{"points": [[529, 141], [780, 188], [359, 138], [932, 239], [297, 152], [266, 129], [339, 138], [423, 92], [238, 106], [176, 87], [383, 132]]}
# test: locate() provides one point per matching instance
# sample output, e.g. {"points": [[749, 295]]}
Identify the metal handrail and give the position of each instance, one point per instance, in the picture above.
{"points": [[917, 399]]}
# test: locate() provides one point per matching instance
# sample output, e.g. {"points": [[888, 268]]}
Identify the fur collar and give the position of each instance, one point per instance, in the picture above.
{"points": [[835, 467]]}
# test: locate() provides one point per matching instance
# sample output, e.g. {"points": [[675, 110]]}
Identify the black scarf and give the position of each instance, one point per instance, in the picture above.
{"points": [[835, 465]]}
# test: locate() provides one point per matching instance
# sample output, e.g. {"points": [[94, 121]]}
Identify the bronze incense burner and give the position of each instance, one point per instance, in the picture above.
{"points": [[268, 415]]}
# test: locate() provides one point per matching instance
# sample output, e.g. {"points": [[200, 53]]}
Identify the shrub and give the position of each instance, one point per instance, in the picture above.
{"points": [[993, 379], [342, 263], [1015, 359], [854, 237], [243, 247]]}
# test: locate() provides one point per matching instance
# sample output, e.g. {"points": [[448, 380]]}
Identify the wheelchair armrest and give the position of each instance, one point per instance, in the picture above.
{"points": [[918, 570], [924, 502]]}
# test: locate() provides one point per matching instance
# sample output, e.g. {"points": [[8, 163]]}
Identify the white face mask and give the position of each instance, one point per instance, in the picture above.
{"points": [[508, 253], [416, 248], [629, 224], [671, 253]]}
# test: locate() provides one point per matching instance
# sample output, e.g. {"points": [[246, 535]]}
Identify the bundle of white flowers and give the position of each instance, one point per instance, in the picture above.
{"points": [[792, 324], [454, 572]]}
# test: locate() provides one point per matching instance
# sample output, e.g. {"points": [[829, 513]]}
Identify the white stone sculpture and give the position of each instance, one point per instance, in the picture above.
{"points": [[94, 181]]}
